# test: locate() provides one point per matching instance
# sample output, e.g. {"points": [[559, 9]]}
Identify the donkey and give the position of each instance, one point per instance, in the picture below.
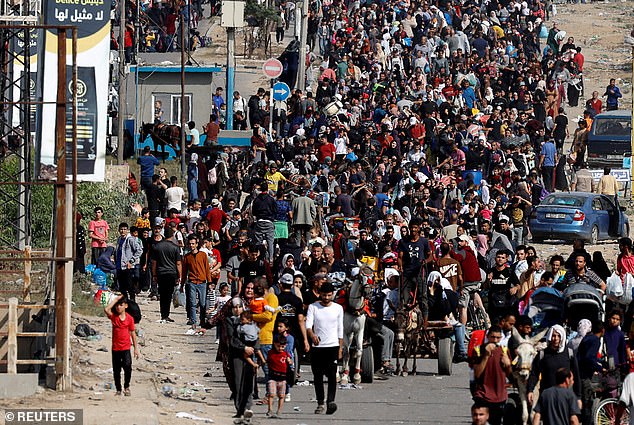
{"points": [[525, 354], [408, 337], [356, 293]]}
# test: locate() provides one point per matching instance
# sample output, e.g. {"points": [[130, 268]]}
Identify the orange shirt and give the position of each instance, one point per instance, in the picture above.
{"points": [[196, 267]]}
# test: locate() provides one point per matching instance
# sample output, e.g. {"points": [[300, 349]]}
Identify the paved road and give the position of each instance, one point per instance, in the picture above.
{"points": [[422, 399]]}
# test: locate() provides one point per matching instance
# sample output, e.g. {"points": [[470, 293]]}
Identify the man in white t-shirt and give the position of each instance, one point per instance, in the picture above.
{"points": [[626, 399], [192, 131], [324, 325], [174, 195]]}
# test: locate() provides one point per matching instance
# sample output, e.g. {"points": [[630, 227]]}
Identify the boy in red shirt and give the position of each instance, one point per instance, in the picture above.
{"points": [[122, 332], [278, 361]]}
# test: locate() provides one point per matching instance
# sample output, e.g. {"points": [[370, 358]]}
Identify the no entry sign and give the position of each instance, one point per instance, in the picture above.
{"points": [[272, 68]]}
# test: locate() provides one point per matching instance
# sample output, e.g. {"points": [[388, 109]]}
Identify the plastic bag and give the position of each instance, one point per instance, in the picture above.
{"points": [[100, 278], [178, 298], [628, 285], [614, 287], [103, 297]]}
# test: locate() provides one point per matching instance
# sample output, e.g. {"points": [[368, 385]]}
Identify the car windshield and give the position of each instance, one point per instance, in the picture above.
{"points": [[612, 126], [567, 201]]}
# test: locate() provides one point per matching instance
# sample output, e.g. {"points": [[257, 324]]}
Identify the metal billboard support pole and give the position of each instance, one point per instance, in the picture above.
{"points": [[62, 302], [122, 86]]}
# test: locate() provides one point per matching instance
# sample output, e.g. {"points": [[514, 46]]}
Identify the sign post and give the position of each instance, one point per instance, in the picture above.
{"points": [[272, 68], [281, 92]]}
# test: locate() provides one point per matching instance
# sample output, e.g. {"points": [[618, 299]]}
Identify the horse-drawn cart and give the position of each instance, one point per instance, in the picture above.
{"points": [[440, 332], [415, 340]]}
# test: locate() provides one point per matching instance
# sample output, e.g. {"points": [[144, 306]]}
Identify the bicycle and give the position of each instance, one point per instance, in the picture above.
{"points": [[476, 316], [605, 412], [607, 402]]}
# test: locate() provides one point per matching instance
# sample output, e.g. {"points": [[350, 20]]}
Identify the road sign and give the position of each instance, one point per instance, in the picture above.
{"points": [[281, 91], [272, 68]]}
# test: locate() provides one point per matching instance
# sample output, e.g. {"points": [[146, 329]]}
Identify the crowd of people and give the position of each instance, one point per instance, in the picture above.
{"points": [[425, 135], [154, 27]]}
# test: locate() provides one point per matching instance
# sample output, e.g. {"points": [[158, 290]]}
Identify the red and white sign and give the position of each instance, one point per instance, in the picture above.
{"points": [[272, 68]]}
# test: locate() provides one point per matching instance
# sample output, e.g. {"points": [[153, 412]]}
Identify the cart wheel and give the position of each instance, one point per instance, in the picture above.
{"points": [[605, 413], [445, 355], [367, 365]]}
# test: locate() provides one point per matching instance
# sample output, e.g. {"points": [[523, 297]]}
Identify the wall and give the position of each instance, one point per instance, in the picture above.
{"points": [[198, 85]]}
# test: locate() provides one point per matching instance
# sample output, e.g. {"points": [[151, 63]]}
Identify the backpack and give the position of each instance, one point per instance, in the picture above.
{"points": [[212, 176]]}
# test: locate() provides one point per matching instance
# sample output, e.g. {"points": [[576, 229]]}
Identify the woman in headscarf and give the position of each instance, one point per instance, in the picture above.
{"points": [[599, 266], [553, 357], [407, 215], [583, 328], [287, 265], [242, 373]]}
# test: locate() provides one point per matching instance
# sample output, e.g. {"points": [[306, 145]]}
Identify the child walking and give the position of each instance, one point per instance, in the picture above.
{"points": [[282, 330], [122, 334], [278, 361]]}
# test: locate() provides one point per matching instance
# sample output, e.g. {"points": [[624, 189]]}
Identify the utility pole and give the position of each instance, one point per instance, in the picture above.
{"points": [[629, 41], [183, 123], [303, 48], [122, 87], [232, 18], [62, 301], [231, 69]]}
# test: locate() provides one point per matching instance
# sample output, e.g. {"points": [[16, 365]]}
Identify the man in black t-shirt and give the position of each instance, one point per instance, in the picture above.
{"points": [[414, 254], [292, 309], [251, 268], [155, 195], [500, 282], [166, 271]]}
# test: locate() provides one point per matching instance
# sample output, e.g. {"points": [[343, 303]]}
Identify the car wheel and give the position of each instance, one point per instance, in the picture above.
{"points": [[537, 239], [594, 235]]}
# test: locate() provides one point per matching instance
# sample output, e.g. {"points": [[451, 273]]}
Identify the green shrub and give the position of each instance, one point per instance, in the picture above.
{"points": [[116, 206]]}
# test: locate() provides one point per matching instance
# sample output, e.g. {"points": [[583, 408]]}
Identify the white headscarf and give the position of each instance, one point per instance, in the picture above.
{"points": [[562, 334]]}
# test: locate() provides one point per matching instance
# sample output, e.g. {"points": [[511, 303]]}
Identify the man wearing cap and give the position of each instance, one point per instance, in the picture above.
{"points": [[324, 325], [216, 216]]}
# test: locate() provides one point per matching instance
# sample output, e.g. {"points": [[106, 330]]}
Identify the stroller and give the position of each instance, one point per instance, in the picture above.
{"points": [[582, 301], [546, 308]]}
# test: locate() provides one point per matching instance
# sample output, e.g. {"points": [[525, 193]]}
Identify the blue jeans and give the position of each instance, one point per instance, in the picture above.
{"points": [[193, 290], [459, 334]]}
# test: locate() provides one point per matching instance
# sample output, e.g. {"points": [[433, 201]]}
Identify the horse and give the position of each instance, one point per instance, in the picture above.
{"points": [[357, 291], [409, 336], [526, 352], [162, 134]]}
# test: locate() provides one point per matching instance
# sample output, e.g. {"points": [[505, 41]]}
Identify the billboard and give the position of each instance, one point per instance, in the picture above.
{"points": [[92, 19], [20, 49]]}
